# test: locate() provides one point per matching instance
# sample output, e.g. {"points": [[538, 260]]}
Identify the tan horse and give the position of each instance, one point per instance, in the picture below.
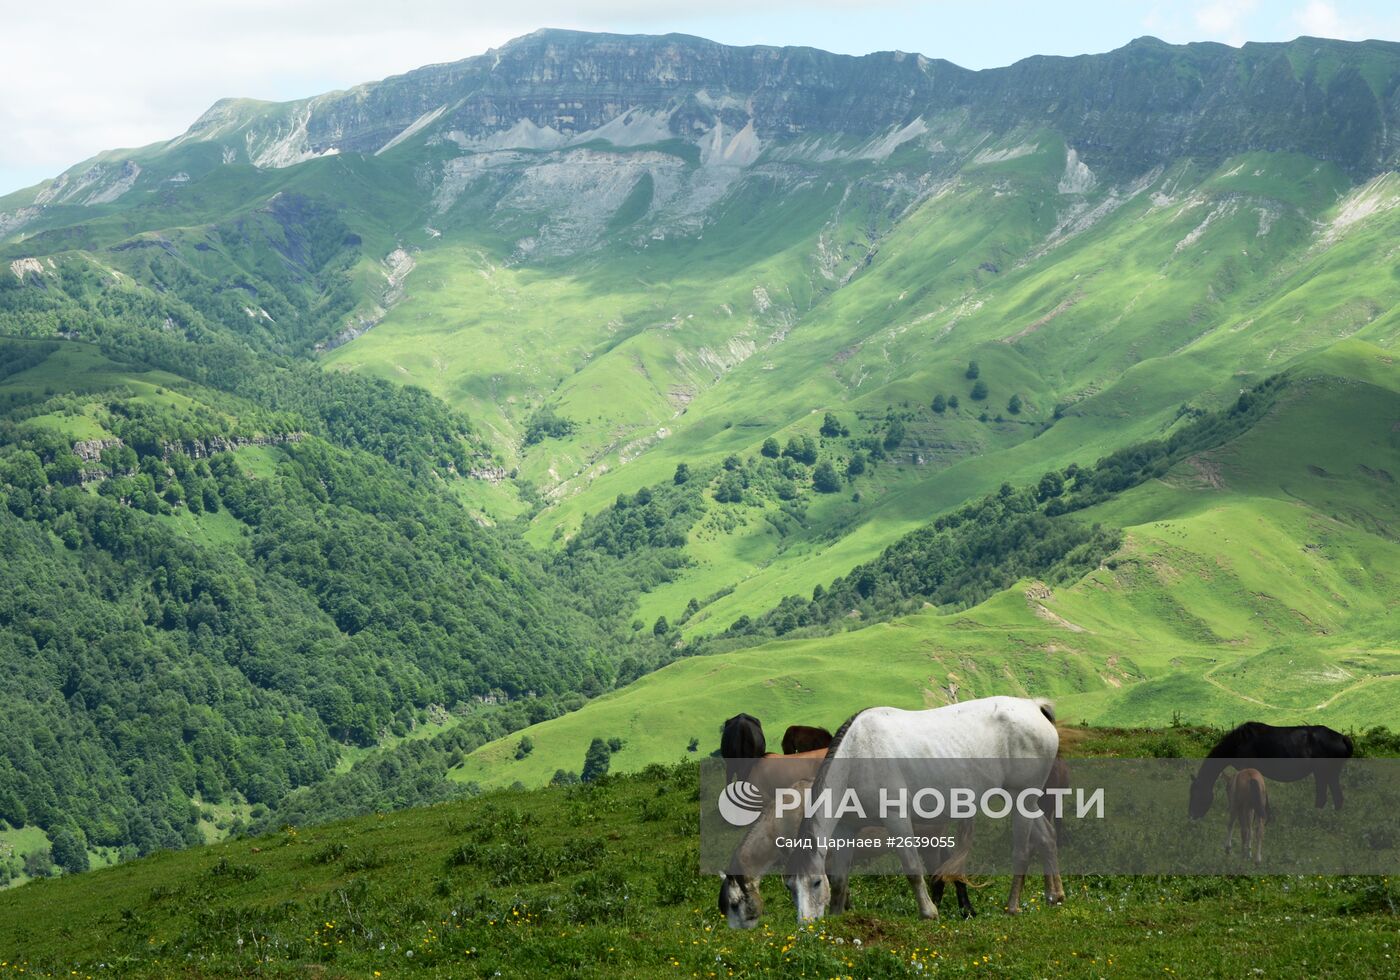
{"points": [[1249, 807], [739, 897]]}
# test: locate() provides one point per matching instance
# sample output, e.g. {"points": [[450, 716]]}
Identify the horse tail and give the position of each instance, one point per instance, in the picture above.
{"points": [[959, 879], [953, 868], [1261, 798]]}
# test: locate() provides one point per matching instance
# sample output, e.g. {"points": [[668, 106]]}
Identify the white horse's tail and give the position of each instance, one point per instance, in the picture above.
{"points": [[953, 868]]}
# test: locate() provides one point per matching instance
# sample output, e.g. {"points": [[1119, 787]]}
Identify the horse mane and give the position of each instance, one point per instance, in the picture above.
{"points": [[841, 733], [819, 780]]}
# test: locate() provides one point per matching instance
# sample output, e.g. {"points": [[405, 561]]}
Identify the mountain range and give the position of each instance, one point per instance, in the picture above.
{"points": [[680, 379]]}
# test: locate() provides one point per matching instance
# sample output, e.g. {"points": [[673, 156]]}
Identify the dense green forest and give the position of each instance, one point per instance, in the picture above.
{"points": [[251, 566], [237, 669], [151, 329]]}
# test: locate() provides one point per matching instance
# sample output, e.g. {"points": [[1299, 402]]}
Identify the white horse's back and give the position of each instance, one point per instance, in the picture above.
{"points": [[988, 728]]}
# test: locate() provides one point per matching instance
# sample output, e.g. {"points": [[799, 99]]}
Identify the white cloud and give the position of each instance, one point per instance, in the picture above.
{"points": [[1224, 20], [1318, 19]]}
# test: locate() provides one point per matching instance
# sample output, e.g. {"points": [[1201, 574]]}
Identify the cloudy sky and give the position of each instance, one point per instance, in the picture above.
{"points": [[87, 75]]}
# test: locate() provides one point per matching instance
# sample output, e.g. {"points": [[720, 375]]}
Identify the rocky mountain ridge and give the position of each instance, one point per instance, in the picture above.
{"points": [[1122, 112], [1142, 104]]}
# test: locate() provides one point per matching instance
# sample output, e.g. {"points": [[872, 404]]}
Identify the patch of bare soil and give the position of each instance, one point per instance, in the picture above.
{"points": [[1035, 325], [1208, 470]]}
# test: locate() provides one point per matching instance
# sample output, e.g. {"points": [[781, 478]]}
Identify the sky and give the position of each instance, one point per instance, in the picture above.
{"points": [[89, 75]]}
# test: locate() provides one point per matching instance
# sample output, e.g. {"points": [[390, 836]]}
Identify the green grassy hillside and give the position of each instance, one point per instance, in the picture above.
{"points": [[859, 285], [600, 880], [1256, 581], [1171, 292]]}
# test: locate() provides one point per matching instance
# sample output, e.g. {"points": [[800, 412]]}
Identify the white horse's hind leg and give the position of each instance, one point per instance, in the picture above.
{"points": [[1020, 860], [1044, 830]]}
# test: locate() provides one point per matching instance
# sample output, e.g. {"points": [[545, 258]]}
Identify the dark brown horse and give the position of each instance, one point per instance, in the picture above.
{"points": [[1284, 754], [805, 738]]}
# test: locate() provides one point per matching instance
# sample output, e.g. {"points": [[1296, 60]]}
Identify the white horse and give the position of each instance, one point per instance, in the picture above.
{"points": [[998, 743]]}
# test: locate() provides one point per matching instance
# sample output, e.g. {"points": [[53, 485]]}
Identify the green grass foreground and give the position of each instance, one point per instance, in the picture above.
{"points": [[600, 880]]}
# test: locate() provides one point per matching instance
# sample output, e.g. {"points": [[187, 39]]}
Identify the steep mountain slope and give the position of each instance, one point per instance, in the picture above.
{"points": [[212, 597], [1258, 579]]}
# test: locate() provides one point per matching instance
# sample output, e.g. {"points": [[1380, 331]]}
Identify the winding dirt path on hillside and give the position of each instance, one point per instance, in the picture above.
{"points": [[1233, 693], [1352, 687], [1320, 706]]}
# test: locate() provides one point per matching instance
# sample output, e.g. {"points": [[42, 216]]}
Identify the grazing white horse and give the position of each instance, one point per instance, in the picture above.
{"points": [[992, 743], [740, 900]]}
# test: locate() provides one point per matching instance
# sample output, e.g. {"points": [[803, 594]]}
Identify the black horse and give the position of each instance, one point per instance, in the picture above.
{"points": [[1285, 754], [741, 738]]}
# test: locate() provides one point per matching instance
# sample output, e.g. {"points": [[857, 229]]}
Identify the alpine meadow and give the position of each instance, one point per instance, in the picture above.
{"points": [[400, 486]]}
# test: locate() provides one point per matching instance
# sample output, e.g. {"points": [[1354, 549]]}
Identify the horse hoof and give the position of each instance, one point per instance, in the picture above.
{"points": [[969, 913]]}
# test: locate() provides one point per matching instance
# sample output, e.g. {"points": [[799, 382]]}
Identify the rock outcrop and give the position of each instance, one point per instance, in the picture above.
{"points": [[204, 448], [90, 450]]}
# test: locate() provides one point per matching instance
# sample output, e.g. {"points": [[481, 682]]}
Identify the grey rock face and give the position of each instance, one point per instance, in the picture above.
{"points": [[1124, 111]]}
